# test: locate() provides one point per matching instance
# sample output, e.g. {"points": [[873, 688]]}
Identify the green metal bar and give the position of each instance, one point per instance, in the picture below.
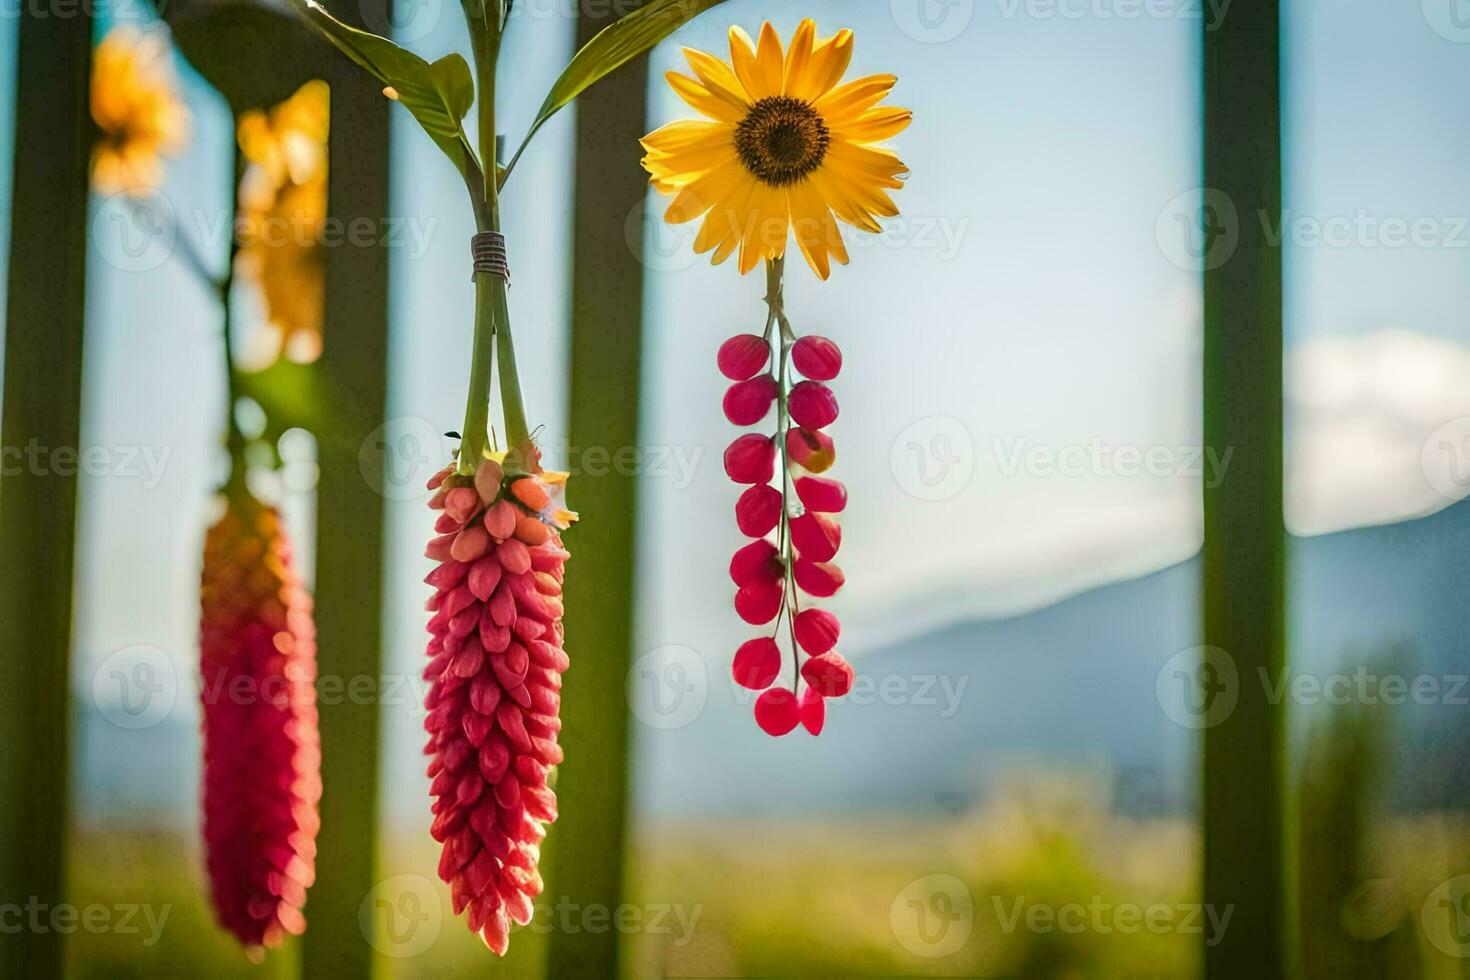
{"points": [[1244, 562], [350, 531], [42, 407], [586, 854]]}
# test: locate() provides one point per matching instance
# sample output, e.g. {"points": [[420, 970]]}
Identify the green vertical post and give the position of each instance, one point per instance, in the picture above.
{"points": [[42, 407], [350, 530], [1245, 841], [587, 844]]}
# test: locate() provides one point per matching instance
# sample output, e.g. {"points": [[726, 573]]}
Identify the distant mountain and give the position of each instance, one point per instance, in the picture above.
{"points": [[936, 718]]}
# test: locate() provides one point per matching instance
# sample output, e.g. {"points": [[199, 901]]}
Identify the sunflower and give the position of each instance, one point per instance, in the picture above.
{"points": [[785, 148], [136, 106]]}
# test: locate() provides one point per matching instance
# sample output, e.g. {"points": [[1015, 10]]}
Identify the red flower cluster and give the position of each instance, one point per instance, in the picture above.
{"points": [[768, 574], [262, 747], [495, 667]]}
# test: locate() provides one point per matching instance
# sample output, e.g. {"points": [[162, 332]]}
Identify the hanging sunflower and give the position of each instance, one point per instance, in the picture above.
{"points": [[785, 148], [136, 106]]}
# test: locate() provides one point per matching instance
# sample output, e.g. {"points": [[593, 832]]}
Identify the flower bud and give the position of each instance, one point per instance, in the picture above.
{"points": [[812, 404], [759, 602], [776, 711], [757, 663], [755, 563], [817, 631], [743, 355], [812, 710], [816, 536], [751, 459], [810, 449], [758, 510], [821, 494], [747, 402], [829, 674], [816, 358], [818, 578]]}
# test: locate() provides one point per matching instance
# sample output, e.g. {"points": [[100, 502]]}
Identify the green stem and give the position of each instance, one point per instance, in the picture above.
{"points": [[775, 300]]}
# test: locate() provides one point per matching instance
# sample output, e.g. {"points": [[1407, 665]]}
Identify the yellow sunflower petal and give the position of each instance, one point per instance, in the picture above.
{"points": [[767, 226], [704, 192], [717, 77], [770, 65], [742, 61], [879, 165], [687, 134], [861, 191], [834, 191], [692, 162], [702, 99], [829, 61], [810, 221], [854, 98], [799, 56], [876, 124], [733, 221]]}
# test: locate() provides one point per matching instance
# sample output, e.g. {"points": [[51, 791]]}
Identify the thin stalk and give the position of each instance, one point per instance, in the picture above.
{"points": [[775, 300], [234, 438]]}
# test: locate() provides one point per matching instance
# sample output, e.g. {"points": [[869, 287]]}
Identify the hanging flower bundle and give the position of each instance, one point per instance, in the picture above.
{"points": [[786, 149]]}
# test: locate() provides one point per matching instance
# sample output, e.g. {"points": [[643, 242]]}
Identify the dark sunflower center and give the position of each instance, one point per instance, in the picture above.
{"points": [[781, 140]]}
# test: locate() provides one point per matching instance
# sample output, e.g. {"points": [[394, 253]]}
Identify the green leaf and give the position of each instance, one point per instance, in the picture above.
{"points": [[438, 95], [613, 47]]}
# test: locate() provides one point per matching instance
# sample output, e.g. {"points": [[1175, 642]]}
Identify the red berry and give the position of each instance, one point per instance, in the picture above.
{"points": [[743, 355], [776, 711], [751, 459], [810, 449], [816, 536], [812, 710], [757, 663], [818, 578], [816, 358], [759, 602], [755, 563], [817, 631], [812, 404], [821, 494], [758, 510], [828, 674], [747, 402]]}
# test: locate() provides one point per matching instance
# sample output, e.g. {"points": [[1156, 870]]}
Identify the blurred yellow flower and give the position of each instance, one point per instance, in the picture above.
{"points": [[136, 106], [784, 147], [283, 212]]}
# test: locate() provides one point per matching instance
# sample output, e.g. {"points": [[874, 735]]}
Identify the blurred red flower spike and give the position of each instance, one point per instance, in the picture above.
{"points": [[810, 449], [758, 603], [816, 536], [816, 358], [747, 402], [758, 510], [818, 578], [821, 494], [829, 674], [812, 404], [757, 663], [742, 356], [817, 631], [812, 710], [751, 459], [755, 563], [776, 711]]}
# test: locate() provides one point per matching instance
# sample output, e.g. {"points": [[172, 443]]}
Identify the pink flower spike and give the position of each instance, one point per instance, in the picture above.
{"points": [[758, 510], [757, 663], [776, 711], [812, 710], [821, 494], [816, 536], [817, 631], [751, 459], [812, 404], [747, 402], [829, 674], [816, 358], [742, 356]]}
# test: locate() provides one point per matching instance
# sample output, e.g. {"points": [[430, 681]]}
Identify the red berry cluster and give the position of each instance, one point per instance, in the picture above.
{"points": [[768, 573]]}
